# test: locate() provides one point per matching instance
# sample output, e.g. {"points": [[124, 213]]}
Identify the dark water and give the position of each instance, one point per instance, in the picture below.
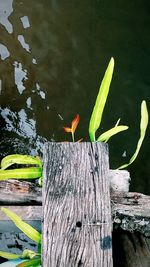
{"points": [[53, 57]]}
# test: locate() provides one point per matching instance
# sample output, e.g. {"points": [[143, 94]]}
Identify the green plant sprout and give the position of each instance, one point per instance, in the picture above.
{"points": [[34, 257], [143, 127], [97, 114], [20, 173], [98, 109]]}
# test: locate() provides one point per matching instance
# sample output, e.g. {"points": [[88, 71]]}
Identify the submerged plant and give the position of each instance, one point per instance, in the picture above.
{"points": [[20, 173], [34, 258]]}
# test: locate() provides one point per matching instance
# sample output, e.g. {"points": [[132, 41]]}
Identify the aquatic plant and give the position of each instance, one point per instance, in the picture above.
{"points": [[20, 173], [34, 258]]}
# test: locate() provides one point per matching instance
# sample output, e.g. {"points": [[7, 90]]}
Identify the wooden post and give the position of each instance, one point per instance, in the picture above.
{"points": [[77, 222]]}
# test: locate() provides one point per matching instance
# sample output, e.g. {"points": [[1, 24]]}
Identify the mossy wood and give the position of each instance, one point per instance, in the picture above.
{"points": [[77, 227]]}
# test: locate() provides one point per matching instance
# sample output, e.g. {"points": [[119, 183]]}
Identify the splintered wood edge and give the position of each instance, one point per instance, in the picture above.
{"points": [[14, 192]]}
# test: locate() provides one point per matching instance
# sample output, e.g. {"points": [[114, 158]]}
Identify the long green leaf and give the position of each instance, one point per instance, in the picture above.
{"points": [[101, 100], [22, 173], [108, 134], [24, 227], [9, 256], [143, 127], [20, 159], [30, 263]]}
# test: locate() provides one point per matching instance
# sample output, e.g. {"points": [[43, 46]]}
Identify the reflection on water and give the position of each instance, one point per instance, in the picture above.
{"points": [[53, 55], [20, 77], [4, 53], [23, 43], [25, 22], [6, 9]]}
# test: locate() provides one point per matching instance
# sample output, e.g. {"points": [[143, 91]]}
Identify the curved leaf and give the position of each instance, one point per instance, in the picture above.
{"points": [[22, 173], [101, 100], [143, 127], [19, 159], [108, 134], [9, 256], [24, 227], [30, 263]]}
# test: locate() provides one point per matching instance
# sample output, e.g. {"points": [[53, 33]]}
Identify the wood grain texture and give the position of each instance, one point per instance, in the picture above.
{"points": [[131, 212], [14, 192], [76, 204]]}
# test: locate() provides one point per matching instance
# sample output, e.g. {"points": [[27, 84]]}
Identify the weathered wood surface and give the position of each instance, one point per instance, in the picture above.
{"points": [[76, 204], [14, 192], [131, 212]]}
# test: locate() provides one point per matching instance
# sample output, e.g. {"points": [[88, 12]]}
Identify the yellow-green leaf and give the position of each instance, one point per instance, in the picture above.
{"points": [[22, 173], [30, 263], [101, 100], [24, 227], [29, 254], [108, 134], [19, 159], [9, 256], [143, 127], [117, 123]]}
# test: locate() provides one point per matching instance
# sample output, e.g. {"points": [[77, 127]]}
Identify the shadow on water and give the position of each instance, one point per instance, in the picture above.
{"points": [[53, 56]]}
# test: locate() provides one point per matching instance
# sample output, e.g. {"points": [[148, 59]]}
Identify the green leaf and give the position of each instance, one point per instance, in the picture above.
{"points": [[9, 256], [30, 263], [143, 127], [24, 227], [108, 134], [40, 181], [22, 173], [29, 254], [20, 159], [101, 100], [117, 123]]}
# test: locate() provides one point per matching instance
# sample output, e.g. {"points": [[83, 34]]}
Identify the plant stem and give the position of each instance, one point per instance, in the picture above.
{"points": [[73, 137]]}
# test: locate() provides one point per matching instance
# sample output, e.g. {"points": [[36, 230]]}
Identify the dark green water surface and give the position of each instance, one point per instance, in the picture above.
{"points": [[53, 55]]}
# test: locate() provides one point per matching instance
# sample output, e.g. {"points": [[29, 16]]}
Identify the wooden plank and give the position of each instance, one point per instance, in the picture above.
{"points": [[131, 212], [76, 204], [14, 192]]}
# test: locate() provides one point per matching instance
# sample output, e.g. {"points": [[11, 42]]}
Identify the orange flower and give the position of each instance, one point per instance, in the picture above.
{"points": [[74, 125]]}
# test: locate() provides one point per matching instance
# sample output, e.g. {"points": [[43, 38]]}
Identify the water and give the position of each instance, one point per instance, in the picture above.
{"points": [[53, 57]]}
